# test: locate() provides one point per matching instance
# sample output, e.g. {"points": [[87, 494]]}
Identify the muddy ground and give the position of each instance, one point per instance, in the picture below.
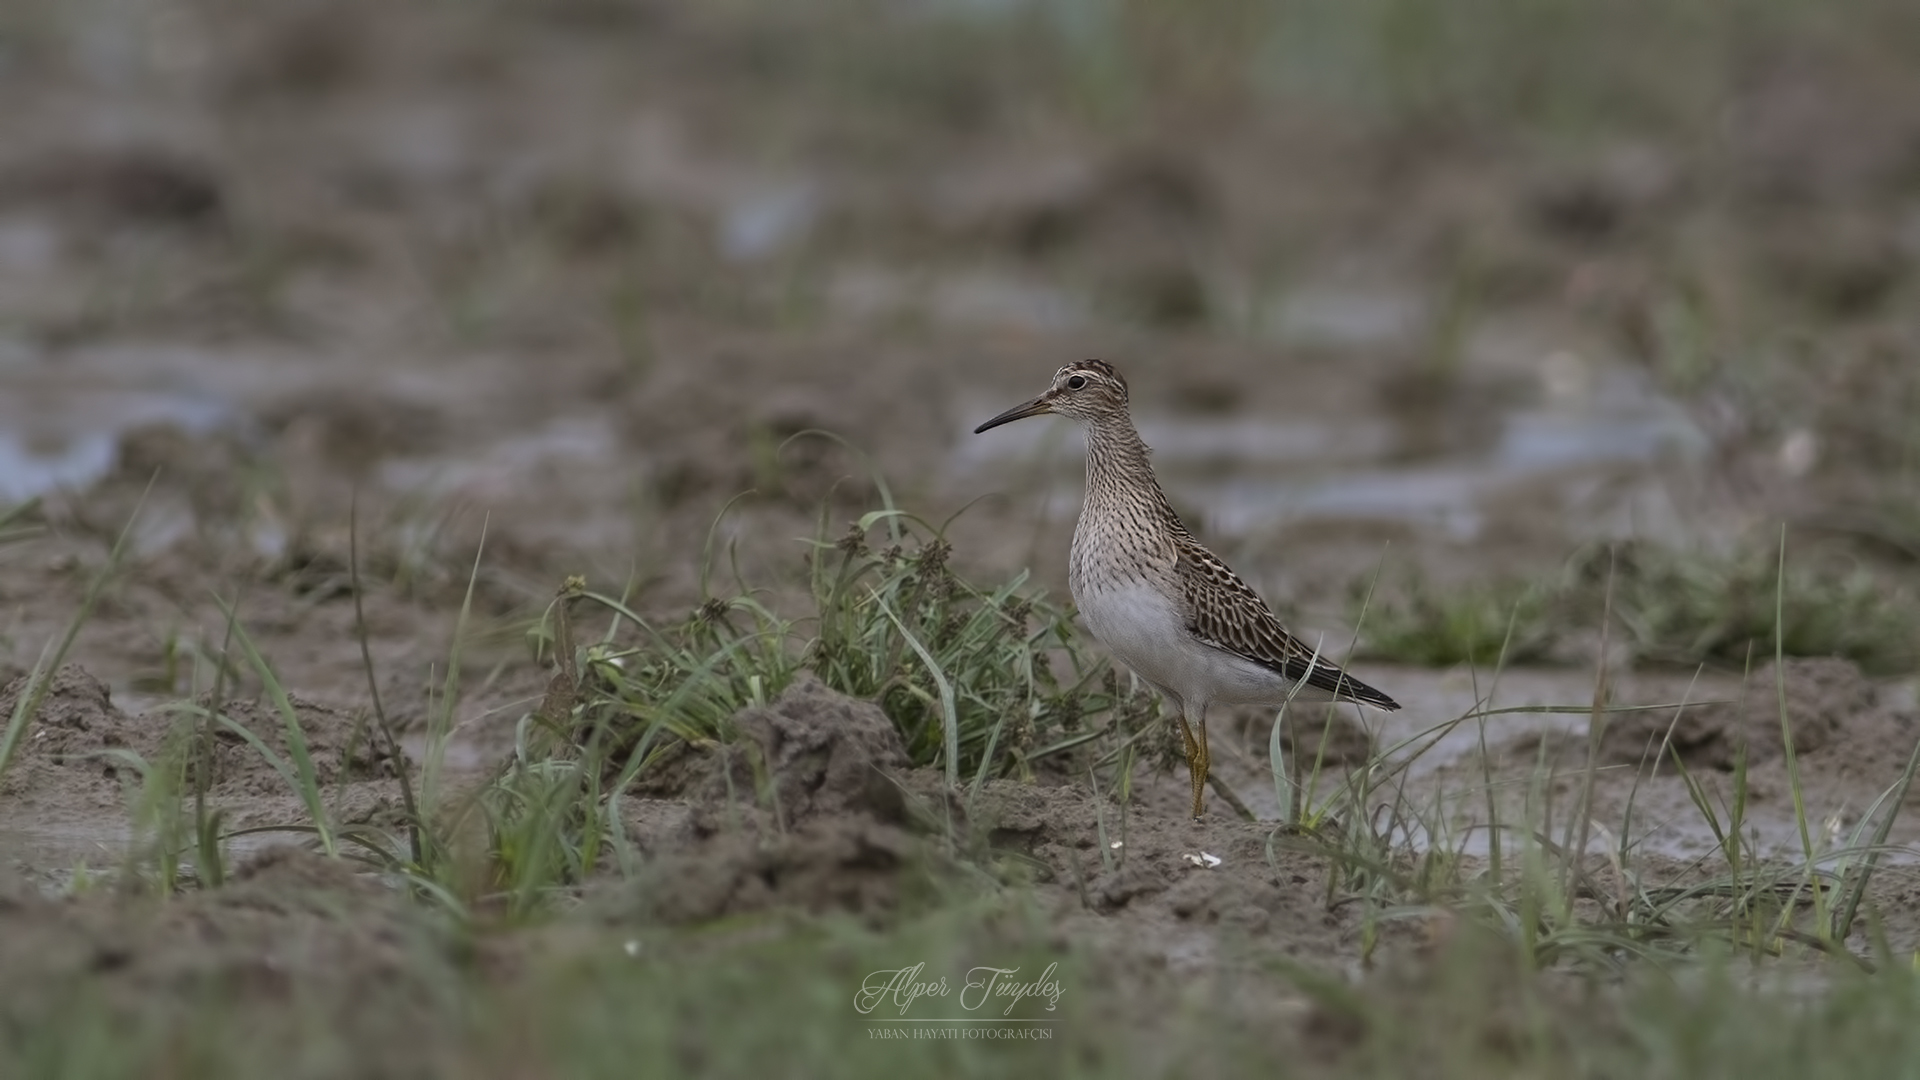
{"points": [[525, 290]]}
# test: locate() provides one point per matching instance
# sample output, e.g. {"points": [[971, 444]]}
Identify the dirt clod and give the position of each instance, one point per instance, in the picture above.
{"points": [[62, 744], [342, 745], [74, 702], [1823, 698], [813, 753]]}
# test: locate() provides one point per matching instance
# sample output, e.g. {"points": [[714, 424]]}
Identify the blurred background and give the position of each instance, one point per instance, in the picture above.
{"points": [[1449, 289]]}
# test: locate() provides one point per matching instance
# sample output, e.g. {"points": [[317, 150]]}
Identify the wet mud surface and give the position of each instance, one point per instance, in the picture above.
{"points": [[834, 821], [458, 305]]}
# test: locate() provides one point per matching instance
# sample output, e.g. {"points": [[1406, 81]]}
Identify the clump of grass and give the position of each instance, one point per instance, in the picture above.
{"points": [[1688, 605], [963, 670], [1417, 622], [980, 679], [1683, 605]]}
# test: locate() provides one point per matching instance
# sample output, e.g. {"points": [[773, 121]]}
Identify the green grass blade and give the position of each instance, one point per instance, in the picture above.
{"points": [[40, 679], [949, 714], [305, 780], [1857, 890]]}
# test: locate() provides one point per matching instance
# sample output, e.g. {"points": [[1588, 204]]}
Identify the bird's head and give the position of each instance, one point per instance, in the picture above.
{"points": [[1086, 390]]}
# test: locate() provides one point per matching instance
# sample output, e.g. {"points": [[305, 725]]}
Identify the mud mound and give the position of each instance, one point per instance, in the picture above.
{"points": [[67, 770], [1828, 702], [813, 753], [804, 811], [826, 753], [64, 746], [78, 724], [658, 826], [76, 715], [343, 745]]}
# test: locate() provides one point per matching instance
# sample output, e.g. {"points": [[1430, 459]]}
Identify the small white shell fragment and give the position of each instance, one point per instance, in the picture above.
{"points": [[1117, 844], [1203, 860]]}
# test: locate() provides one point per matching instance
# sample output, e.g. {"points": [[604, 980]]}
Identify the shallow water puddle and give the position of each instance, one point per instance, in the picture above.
{"points": [[63, 415], [54, 438]]}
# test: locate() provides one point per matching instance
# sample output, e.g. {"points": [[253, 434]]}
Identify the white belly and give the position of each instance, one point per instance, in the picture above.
{"points": [[1146, 631]]}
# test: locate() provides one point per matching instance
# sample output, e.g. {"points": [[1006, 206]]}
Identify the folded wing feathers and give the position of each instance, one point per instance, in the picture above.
{"points": [[1224, 612]]}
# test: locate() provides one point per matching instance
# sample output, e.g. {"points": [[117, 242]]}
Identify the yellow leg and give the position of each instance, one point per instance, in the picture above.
{"points": [[1196, 754], [1200, 766], [1197, 760]]}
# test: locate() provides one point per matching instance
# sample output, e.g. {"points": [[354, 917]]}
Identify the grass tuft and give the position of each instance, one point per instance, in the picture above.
{"points": [[980, 680], [1690, 605], [1416, 622], [1668, 604]]}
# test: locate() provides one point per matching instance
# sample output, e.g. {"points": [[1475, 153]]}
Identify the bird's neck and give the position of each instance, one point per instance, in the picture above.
{"points": [[1120, 478]]}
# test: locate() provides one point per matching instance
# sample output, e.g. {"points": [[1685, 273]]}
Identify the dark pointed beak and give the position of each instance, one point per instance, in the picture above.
{"points": [[1018, 412]]}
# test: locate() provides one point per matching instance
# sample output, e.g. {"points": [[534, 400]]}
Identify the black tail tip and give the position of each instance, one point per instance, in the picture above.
{"points": [[1367, 695]]}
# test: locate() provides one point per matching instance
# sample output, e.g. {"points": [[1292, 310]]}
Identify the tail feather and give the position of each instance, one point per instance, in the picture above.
{"points": [[1344, 687]]}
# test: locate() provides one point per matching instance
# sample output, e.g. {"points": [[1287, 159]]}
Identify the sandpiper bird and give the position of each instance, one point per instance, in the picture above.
{"points": [[1162, 604]]}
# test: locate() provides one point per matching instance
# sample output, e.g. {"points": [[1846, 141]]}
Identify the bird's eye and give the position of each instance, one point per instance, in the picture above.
{"points": [[1078, 382]]}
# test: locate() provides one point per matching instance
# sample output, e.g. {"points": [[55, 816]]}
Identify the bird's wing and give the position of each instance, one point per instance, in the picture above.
{"points": [[1226, 614]]}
